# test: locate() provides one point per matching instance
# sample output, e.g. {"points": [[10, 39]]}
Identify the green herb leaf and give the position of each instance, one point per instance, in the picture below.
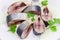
{"points": [[30, 14], [44, 3], [53, 28], [32, 19], [12, 28], [57, 20], [51, 22]]}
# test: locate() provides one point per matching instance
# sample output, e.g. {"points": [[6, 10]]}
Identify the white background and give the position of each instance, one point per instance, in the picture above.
{"points": [[54, 7]]}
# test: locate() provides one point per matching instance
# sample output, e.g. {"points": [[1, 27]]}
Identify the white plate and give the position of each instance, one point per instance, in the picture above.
{"points": [[48, 35]]}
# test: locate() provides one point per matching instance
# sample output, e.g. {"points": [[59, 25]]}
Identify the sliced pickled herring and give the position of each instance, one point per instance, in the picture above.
{"points": [[16, 7], [33, 8], [46, 15], [38, 27], [24, 29], [16, 17]]}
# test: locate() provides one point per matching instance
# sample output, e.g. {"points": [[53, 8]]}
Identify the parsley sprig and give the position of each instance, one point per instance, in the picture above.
{"points": [[12, 28], [52, 22], [31, 15], [53, 28], [44, 2]]}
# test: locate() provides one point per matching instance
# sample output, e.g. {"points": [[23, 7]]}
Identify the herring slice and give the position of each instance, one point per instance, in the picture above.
{"points": [[38, 27], [33, 8], [16, 17], [24, 29], [16, 7]]}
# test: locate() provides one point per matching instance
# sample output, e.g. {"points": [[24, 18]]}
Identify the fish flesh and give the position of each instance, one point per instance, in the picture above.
{"points": [[38, 26], [24, 29], [46, 16], [16, 7], [33, 8], [16, 17]]}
